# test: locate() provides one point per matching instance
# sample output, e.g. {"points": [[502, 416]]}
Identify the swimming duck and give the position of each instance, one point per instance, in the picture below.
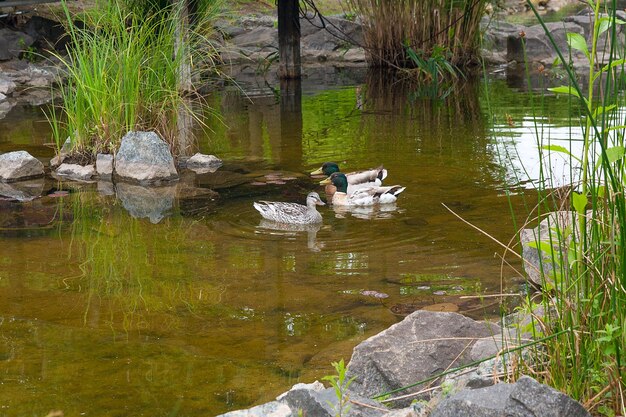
{"points": [[292, 212], [361, 197], [356, 180]]}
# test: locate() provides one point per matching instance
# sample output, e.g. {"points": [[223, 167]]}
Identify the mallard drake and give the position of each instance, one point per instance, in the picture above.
{"points": [[361, 197], [356, 180], [292, 212]]}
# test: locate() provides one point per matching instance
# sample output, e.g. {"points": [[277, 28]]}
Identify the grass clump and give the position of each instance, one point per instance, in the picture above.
{"points": [[391, 28], [128, 67]]}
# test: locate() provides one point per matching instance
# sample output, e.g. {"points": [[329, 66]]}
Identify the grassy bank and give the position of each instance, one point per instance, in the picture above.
{"points": [[129, 68]]}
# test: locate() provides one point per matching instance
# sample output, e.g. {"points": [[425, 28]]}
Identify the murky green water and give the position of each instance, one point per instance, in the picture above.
{"points": [[199, 308]]}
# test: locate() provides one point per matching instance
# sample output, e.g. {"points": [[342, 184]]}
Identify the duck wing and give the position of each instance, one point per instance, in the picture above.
{"points": [[374, 176]]}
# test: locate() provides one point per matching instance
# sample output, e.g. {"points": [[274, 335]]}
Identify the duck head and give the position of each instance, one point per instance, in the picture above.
{"points": [[313, 199], [327, 169], [339, 180]]}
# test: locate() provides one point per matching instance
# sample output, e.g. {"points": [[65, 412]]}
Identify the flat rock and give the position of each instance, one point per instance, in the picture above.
{"points": [[144, 157], [201, 163], [422, 345], [19, 165], [104, 165], [482, 402], [76, 172]]}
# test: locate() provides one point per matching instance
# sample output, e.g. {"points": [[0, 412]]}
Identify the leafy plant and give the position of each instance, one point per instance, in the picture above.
{"points": [[340, 384]]}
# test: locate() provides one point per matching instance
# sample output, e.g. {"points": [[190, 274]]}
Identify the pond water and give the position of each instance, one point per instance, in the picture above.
{"points": [[181, 302]]}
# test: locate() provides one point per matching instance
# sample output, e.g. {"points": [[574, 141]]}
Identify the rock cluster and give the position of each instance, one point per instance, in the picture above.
{"points": [[421, 347]]}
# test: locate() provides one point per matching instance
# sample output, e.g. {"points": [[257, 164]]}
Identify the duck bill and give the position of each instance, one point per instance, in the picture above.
{"points": [[325, 182], [320, 203], [317, 172]]}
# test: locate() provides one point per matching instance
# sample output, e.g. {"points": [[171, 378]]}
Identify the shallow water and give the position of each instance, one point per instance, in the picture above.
{"points": [[185, 303]]}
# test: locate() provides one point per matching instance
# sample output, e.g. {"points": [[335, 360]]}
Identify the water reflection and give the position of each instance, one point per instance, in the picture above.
{"points": [[310, 229], [380, 211]]}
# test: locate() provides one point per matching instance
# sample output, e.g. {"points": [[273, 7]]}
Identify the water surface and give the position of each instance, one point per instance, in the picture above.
{"points": [[183, 302]]}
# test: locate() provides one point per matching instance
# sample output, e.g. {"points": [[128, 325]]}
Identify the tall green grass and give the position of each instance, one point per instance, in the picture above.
{"points": [[584, 298], [123, 70]]}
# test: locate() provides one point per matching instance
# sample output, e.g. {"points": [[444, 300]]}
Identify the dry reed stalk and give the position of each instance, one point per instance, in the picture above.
{"points": [[389, 26]]}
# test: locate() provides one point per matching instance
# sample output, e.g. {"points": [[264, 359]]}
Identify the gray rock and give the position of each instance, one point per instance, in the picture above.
{"points": [[483, 402], [2, 97], [540, 264], [525, 398], [423, 345], [144, 157], [22, 190], [154, 203], [202, 164], [537, 45], [12, 43], [530, 398], [271, 409], [104, 165], [76, 172], [7, 86], [259, 37], [19, 165]]}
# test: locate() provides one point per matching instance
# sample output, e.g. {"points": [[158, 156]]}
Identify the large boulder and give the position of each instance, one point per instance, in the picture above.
{"points": [[19, 165], [12, 43], [525, 398], [421, 346], [144, 157]]}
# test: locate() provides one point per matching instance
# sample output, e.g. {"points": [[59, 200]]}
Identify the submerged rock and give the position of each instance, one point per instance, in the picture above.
{"points": [[144, 157], [19, 165]]}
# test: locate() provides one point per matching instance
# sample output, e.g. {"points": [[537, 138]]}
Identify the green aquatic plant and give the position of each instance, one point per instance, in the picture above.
{"points": [[128, 70]]}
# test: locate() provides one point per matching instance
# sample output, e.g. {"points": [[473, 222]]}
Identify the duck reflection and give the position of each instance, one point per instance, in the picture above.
{"points": [[292, 230], [382, 211]]}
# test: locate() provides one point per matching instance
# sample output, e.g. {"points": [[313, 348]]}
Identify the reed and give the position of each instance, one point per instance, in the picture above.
{"points": [[584, 297], [392, 26], [123, 71]]}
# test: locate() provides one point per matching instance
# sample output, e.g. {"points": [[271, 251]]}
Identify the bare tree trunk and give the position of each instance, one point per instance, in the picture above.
{"points": [[181, 11]]}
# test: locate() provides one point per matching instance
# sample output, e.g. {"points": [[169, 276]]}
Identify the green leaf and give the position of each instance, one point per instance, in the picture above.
{"points": [[613, 154], [578, 42], [557, 62], [561, 149], [564, 89], [580, 202], [603, 25], [603, 109]]}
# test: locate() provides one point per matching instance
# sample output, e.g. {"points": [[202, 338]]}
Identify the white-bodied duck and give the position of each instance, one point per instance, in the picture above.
{"points": [[293, 213], [356, 180], [361, 197]]}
